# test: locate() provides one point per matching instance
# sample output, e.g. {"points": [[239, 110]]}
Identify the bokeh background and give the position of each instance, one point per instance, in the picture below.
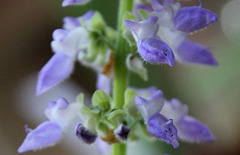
{"points": [[212, 93]]}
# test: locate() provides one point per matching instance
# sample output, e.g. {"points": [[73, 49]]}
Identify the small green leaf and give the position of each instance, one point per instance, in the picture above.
{"points": [[101, 100], [97, 22], [129, 96], [115, 113], [102, 129], [80, 98], [144, 14]]}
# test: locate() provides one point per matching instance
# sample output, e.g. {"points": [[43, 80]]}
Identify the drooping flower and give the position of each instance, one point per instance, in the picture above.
{"points": [[60, 114], [157, 124], [74, 2], [189, 128]]}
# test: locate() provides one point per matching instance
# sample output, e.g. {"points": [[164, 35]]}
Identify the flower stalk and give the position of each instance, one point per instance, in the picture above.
{"points": [[120, 70]]}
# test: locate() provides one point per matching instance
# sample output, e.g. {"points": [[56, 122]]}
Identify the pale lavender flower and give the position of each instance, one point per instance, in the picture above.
{"points": [[74, 2], [157, 125], [66, 44], [60, 114]]}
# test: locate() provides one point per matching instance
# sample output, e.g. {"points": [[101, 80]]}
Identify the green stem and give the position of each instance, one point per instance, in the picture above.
{"points": [[119, 149], [120, 82]]}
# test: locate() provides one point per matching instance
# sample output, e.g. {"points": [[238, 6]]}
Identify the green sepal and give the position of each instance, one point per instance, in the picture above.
{"points": [[144, 14], [130, 39], [101, 99], [97, 22], [129, 104], [119, 113], [102, 129]]}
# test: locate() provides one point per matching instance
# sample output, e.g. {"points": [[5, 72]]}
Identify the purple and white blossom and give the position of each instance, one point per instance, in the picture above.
{"points": [[122, 132], [189, 128], [74, 2], [60, 114]]}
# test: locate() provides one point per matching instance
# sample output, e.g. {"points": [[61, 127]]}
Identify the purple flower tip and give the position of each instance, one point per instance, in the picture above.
{"points": [[122, 132], [162, 128], [84, 134], [46, 134], [190, 19], [154, 50], [74, 2]]}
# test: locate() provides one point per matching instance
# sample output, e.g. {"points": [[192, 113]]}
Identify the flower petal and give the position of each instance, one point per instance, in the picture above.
{"points": [[61, 112], [143, 29], [103, 83], [191, 52], [162, 128], [74, 2], [46, 134], [190, 19], [174, 109], [192, 130], [151, 105], [154, 50], [58, 68]]}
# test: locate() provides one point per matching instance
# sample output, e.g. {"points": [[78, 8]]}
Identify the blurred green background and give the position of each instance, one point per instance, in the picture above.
{"points": [[212, 93]]}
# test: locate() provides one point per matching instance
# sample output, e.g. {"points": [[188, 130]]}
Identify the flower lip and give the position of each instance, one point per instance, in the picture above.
{"points": [[154, 50], [122, 132], [190, 19]]}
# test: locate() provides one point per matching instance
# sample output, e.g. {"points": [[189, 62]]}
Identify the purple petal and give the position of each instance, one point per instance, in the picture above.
{"points": [[151, 105], [192, 130], [61, 104], [58, 68], [59, 34], [191, 52], [190, 19], [122, 132], [157, 5], [70, 23], [46, 134], [84, 134], [104, 83], [143, 29], [74, 2], [162, 128], [154, 50]]}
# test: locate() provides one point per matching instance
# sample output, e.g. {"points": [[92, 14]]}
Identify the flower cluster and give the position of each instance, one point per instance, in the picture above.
{"points": [[158, 32], [161, 31]]}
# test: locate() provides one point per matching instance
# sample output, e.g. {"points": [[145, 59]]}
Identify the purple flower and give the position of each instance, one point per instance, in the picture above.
{"points": [[154, 50], [84, 134], [157, 125], [162, 128], [189, 128], [190, 19], [74, 2], [66, 44], [60, 114]]}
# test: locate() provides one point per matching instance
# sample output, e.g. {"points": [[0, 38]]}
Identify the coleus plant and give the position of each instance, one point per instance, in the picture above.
{"points": [[150, 31]]}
